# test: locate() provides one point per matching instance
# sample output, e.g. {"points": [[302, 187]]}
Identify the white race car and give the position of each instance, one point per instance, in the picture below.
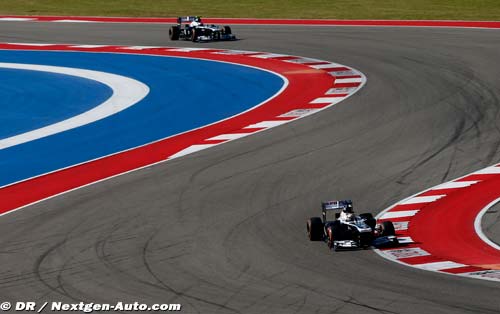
{"points": [[345, 230], [192, 28]]}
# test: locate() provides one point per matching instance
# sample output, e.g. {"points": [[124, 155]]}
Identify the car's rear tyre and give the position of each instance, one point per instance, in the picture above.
{"points": [[227, 30], [388, 228], [315, 229], [174, 32]]}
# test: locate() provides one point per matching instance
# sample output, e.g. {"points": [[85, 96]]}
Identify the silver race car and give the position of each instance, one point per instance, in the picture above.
{"points": [[192, 28], [342, 229]]}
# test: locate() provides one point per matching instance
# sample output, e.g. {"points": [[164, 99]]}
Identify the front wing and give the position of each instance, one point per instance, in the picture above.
{"points": [[380, 242], [222, 37]]}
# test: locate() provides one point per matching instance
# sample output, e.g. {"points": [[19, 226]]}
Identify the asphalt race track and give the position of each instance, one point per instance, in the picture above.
{"points": [[223, 230]]}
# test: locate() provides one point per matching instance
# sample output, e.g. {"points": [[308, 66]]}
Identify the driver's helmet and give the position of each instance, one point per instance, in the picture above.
{"points": [[349, 217], [196, 22], [348, 209]]}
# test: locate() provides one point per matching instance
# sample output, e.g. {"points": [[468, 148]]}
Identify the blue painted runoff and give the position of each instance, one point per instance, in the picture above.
{"points": [[184, 94], [34, 99]]}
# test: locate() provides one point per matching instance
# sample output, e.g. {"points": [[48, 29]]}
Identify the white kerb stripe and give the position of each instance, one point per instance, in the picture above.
{"points": [[327, 100], [341, 90], [397, 214], [32, 44], [299, 113], [139, 47], [439, 265], [349, 80], [234, 52], [421, 199], [269, 55], [454, 185], [303, 60], [266, 124], [405, 240], [490, 274], [88, 46], [72, 21], [401, 225], [191, 149], [344, 73], [489, 170], [231, 136], [126, 92], [406, 253], [326, 66], [14, 19], [189, 49]]}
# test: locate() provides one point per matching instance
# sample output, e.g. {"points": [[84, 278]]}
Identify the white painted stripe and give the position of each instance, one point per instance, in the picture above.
{"points": [[398, 214], [126, 92], [304, 60], [191, 149], [348, 80], [401, 225], [343, 73], [234, 52], [326, 66], [327, 100], [421, 199], [88, 46], [32, 44], [231, 136], [269, 55], [266, 124], [454, 185], [439, 265], [15, 19], [406, 253], [299, 113], [72, 21], [493, 275], [139, 47], [188, 49], [341, 90], [405, 240], [489, 170]]}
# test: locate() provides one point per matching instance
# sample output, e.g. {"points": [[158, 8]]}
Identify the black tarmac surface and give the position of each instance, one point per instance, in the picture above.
{"points": [[223, 230]]}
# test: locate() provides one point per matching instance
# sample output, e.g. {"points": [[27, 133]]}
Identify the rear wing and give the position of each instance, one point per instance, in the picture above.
{"points": [[332, 206], [186, 19], [335, 205]]}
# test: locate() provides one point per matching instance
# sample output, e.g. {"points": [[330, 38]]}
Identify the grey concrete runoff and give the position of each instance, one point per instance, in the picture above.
{"points": [[223, 230], [491, 223]]}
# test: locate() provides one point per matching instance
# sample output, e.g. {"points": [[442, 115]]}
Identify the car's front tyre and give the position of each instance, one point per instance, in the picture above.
{"points": [[315, 229], [227, 30], [174, 32]]}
